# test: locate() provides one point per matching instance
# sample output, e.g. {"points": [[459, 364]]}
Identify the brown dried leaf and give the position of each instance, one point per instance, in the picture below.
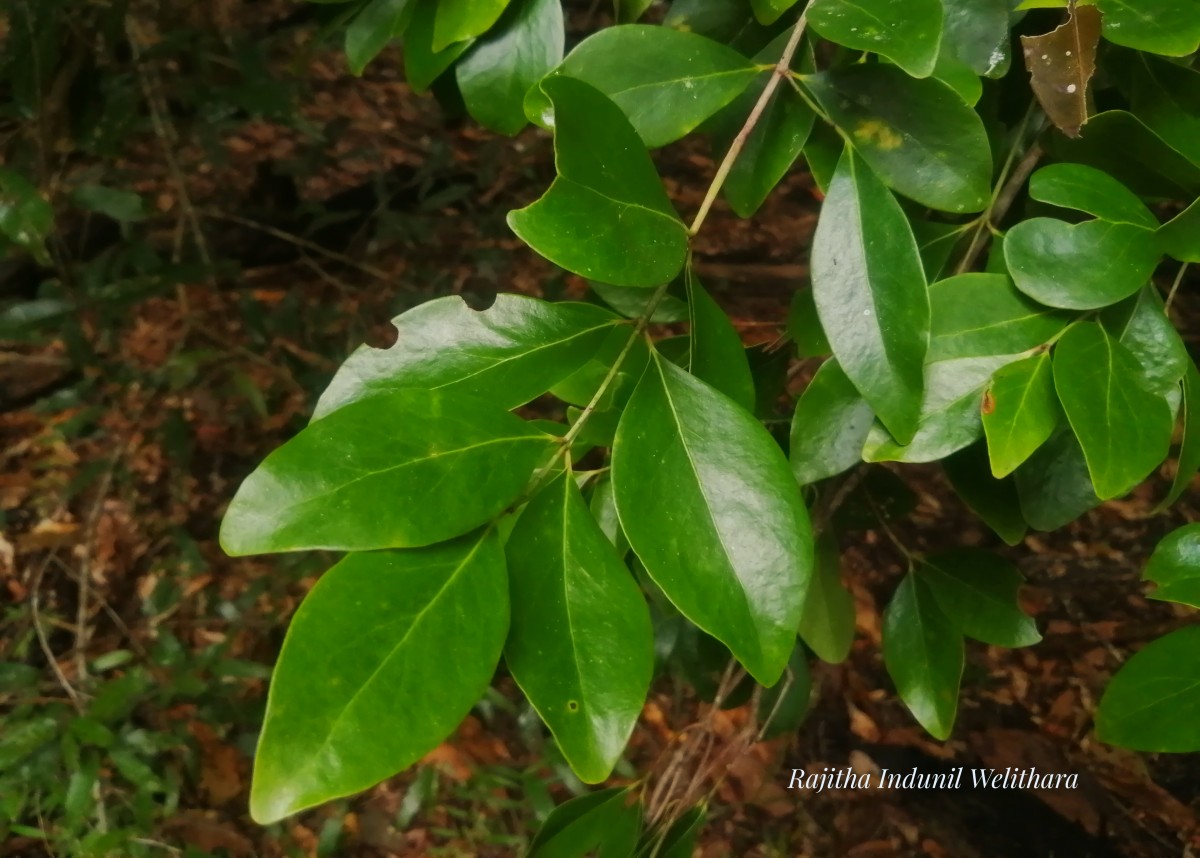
{"points": [[1061, 64]]}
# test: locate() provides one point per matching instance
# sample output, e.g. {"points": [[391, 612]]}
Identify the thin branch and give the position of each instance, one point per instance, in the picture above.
{"points": [[1175, 287]]}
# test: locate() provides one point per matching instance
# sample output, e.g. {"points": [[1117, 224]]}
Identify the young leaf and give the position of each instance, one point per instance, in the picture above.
{"points": [[978, 592], [1054, 485], [1175, 567], [918, 135], [367, 646], [459, 20], [827, 623], [398, 470], [666, 81], [1086, 189], [907, 32], [1168, 27], [510, 353], [976, 32], [1180, 236], [975, 315], [829, 427], [1061, 64], [378, 23], [501, 66], [1189, 449], [1080, 266], [870, 292], [607, 216], [708, 504], [995, 501], [581, 646], [1153, 703], [1020, 412], [717, 355], [605, 824], [1123, 428], [423, 64], [923, 652]]}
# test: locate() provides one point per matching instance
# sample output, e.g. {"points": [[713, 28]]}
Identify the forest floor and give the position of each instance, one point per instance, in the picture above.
{"points": [[133, 643]]}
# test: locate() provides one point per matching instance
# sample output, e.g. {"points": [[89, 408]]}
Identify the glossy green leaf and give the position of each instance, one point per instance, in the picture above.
{"points": [[628, 11], [774, 143], [978, 592], [1170, 27], [1054, 485], [1086, 189], [631, 302], [827, 623], [604, 509], [666, 81], [459, 20], [907, 32], [1141, 325], [717, 355], [733, 550], [367, 647], [722, 20], [607, 216], [501, 66], [398, 470], [1153, 703], [1166, 96], [1123, 428], [378, 23], [960, 77], [995, 501], [829, 427], [950, 412], [1175, 567], [976, 32], [975, 315], [1020, 412], [923, 652], [1180, 236], [581, 386], [423, 64], [1080, 266], [918, 135], [510, 353], [870, 293], [605, 824], [1188, 462], [581, 646]]}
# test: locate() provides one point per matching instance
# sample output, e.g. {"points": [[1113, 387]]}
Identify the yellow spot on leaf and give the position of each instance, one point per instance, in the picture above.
{"points": [[879, 133]]}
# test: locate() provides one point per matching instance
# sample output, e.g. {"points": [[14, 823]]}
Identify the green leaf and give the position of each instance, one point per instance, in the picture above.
{"points": [[607, 216], [907, 32], [976, 32], [732, 549], [829, 427], [367, 646], [398, 470], [774, 143], [459, 20], [1142, 326], [769, 11], [1166, 96], [827, 623], [1020, 412], [581, 646], [918, 135], [666, 81], [1086, 189], [116, 203], [923, 652], [1153, 703], [822, 152], [995, 501], [978, 592], [1123, 428], [25, 218], [628, 11], [960, 77], [604, 509], [604, 823], [870, 292], [804, 326], [1180, 236], [423, 64], [679, 841], [378, 23], [950, 412], [782, 707], [579, 387], [722, 20], [1054, 485], [1080, 266], [717, 354], [510, 353], [631, 302], [975, 315], [1175, 567], [1169, 27], [1189, 449], [501, 66]]}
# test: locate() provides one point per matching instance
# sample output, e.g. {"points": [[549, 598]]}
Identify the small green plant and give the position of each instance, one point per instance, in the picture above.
{"points": [[1045, 375]]}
